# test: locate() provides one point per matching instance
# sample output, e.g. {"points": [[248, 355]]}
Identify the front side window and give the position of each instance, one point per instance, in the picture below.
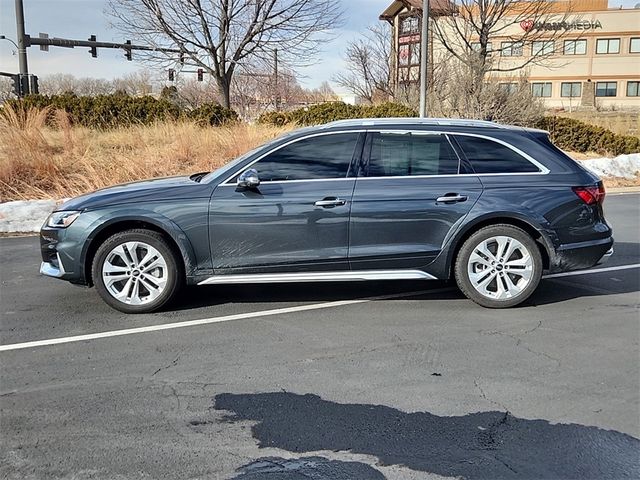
{"points": [[575, 47], [571, 89], [606, 89], [608, 45], [324, 156], [407, 154], [511, 49], [488, 156], [634, 45], [542, 47], [541, 89], [633, 89]]}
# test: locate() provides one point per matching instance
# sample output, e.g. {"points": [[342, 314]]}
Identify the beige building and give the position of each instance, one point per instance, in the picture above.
{"points": [[593, 52]]}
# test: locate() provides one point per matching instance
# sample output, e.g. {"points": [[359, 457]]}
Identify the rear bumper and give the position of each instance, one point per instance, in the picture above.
{"points": [[577, 256]]}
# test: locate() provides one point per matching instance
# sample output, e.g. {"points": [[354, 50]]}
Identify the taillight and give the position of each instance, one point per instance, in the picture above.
{"points": [[592, 194]]}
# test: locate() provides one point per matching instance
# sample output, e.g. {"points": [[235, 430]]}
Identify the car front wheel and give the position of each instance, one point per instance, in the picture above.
{"points": [[499, 266], [136, 271]]}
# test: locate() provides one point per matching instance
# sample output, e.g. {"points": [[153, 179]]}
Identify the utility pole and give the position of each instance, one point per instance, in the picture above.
{"points": [[424, 58], [22, 41], [275, 79]]}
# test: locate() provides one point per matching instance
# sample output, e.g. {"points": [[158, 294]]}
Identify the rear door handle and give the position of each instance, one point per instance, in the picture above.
{"points": [[329, 202], [451, 198]]}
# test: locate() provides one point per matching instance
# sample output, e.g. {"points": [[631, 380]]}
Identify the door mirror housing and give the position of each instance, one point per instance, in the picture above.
{"points": [[249, 179]]}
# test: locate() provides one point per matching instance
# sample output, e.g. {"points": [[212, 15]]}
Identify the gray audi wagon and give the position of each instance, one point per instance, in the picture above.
{"points": [[491, 206]]}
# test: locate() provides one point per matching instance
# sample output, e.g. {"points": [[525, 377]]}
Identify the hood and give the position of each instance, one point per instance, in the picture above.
{"points": [[160, 189]]}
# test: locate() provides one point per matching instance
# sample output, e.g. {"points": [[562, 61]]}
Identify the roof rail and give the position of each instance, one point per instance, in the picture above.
{"points": [[369, 122]]}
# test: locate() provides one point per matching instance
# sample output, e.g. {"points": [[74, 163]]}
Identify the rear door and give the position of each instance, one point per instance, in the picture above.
{"points": [[410, 193], [297, 219]]}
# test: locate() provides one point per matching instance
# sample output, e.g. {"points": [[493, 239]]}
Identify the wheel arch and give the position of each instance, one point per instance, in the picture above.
{"points": [[175, 237], [537, 232]]}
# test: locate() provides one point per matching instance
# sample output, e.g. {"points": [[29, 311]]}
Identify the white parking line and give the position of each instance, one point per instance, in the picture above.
{"points": [[263, 313], [205, 321], [595, 270]]}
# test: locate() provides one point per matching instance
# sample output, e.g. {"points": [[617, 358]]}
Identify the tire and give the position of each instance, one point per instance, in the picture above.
{"points": [[493, 280], [136, 271]]}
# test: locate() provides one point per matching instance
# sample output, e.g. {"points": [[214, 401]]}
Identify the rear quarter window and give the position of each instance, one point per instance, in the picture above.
{"points": [[488, 156]]}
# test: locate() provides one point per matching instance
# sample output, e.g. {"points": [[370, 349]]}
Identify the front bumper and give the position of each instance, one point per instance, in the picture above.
{"points": [[61, 253]]}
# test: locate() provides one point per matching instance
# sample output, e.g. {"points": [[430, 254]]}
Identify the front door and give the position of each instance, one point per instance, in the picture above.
{"points": [[297, 218], [409, 195]]}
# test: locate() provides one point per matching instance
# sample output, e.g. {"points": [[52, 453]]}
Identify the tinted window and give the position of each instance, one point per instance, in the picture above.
{"points": [[394, 154], [325, 156], [487, 156]]}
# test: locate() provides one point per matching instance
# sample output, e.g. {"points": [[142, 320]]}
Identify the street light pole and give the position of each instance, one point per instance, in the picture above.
{"points": [[21, 37], [424, 57]]}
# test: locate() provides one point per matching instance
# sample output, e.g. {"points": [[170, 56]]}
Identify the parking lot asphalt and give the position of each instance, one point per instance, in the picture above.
{"points": [[322, 381]]}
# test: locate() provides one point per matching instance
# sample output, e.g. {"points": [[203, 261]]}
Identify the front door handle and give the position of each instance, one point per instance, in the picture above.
{"points": [[329, 202], [451, 198]]}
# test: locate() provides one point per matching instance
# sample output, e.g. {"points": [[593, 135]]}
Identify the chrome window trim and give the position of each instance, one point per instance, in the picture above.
{"points": [[542, 170], [226, 183]]}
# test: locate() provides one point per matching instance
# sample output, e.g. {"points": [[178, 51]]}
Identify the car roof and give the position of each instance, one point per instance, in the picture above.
{"points": [[412, 122]]}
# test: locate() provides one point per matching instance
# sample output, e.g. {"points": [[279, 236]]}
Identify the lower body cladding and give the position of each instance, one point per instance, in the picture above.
{"points": [[578, 256]]}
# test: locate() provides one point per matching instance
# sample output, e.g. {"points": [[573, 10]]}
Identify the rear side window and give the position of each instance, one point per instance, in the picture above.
{"points": [[406, 154], [325, 156], [487, 156]]}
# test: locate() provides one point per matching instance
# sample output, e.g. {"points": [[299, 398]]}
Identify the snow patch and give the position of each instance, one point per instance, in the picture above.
{"points": [[24, 215], [624, 166]]}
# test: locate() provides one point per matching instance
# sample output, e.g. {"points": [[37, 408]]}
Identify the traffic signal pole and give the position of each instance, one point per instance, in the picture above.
{"points": [[22, 39]]}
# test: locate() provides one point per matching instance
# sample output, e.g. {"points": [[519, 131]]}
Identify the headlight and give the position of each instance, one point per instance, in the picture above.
{"points": [[62, 219]]}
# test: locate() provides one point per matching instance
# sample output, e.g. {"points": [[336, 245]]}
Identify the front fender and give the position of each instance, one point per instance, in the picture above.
{"points": [[132, 216]]}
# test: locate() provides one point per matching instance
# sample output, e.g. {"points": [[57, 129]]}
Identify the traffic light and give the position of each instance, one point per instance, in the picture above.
{"points": [[172, 74], [127, 51], [93, 50], [200, 74], [18, 87], [33, 84]]}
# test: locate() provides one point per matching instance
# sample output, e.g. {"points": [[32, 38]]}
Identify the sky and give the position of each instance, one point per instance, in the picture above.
{"points": [[80, 18]]}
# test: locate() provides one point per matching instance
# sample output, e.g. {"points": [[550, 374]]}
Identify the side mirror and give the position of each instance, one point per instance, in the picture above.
{"points": [[249, 179]]}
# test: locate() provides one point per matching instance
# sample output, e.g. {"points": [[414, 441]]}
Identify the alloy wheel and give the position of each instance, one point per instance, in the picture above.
{"points": [[500, 268], [135, 273]]}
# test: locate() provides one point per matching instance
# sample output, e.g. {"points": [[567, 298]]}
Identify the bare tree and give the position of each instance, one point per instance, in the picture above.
{"points": [[367, 60], [135, 83], [59, 83], [490, 36], [221, 35]]}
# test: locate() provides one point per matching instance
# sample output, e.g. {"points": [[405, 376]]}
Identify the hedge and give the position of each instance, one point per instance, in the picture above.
{"points": [[577, 136], [108, 111], [332, 111]]}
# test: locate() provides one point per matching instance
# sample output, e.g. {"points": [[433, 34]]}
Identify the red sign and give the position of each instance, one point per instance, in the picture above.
{"points": [[526, 25], [409, 39]]}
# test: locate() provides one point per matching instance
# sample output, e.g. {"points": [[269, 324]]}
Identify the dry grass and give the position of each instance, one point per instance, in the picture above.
{"points": [[37, 161]]}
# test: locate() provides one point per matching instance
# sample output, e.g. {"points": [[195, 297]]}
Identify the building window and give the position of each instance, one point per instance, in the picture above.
{"points": [[476, 46], [409, 54], [409, 25], [542, 47], [633, 89], [541, 89], [608, 45], [606, 89], [571, 89], [634, 45], [508, 87], [575, 47], [511, 49]]}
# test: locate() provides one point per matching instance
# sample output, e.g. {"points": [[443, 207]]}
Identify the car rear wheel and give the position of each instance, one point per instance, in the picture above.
{"points": [[499, 266], [136, 271]]}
